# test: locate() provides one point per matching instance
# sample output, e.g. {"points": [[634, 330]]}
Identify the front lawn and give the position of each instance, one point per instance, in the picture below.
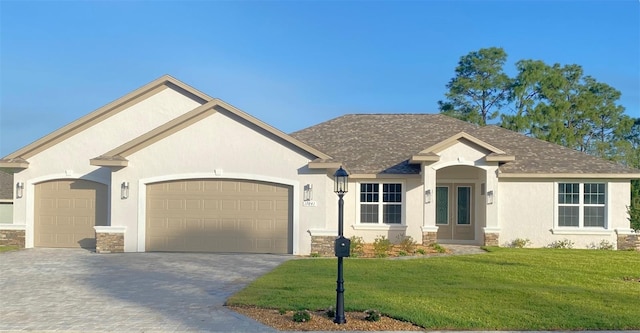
{"points": [[506, 289], [7, 248]]}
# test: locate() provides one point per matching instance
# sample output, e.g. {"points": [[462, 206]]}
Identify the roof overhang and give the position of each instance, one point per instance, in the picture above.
{"points": [[324, 165], [109, 161], [424, 157], [14, 165], [493, 157]]}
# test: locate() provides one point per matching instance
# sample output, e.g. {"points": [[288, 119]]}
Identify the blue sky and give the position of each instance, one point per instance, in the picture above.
{"points": [[291, 64]]}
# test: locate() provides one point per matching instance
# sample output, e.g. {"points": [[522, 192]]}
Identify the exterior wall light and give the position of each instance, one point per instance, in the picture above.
{"points": [[124, 190], [427, 196], [19, 189], [490, 198]]}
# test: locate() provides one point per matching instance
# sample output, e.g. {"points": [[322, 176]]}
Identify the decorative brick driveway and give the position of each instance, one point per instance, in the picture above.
{"points": [[77, 290]]}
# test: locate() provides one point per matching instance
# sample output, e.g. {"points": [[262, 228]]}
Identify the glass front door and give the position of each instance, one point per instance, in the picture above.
{"points": [[454, 212]]}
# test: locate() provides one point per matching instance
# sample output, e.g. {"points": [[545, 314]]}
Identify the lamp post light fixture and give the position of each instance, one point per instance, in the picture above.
{"points": [[342, 245]]}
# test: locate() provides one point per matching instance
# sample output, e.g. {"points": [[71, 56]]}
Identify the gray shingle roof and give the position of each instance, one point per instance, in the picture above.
{"points": [[384, 143], [6, 185]]}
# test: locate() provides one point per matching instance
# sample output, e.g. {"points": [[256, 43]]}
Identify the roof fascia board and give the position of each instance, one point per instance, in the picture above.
{"points": [[14, 164], [424, 158], [271, 129], [105, 162], [572, 175], [444, 144], [105, 112], [324, 165], [500, 158]]}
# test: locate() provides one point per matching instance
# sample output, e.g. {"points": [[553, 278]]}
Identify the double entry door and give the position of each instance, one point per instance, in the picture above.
{"points": [[454, 212]]}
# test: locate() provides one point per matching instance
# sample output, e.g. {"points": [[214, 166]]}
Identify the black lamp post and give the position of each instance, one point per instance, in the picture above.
{"points": [[342, 244]]}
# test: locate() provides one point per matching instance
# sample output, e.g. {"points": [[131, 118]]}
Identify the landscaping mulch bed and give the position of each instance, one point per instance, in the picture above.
{"points": [[320, 322]]}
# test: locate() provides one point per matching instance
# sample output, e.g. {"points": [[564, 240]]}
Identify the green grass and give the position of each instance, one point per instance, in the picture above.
{"points": [[506, 289], [7, 248]]}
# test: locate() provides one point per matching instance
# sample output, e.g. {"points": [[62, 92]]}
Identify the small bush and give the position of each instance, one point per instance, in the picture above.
{"points": [[381, 247], [282, 311], [561, 244], [603, 245], [372, 315], [437, 247], [421, 251], [406, 243], [330, 312], [315, 255], [520, 243], [357, 246], [301, 316], [402, 254]]}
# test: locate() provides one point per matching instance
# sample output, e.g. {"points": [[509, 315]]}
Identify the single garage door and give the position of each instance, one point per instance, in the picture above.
{"points": [[206, 215], [66, 212]]}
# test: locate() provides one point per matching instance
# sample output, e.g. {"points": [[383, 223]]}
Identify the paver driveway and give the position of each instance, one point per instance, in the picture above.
{"points": [[77, 290]]}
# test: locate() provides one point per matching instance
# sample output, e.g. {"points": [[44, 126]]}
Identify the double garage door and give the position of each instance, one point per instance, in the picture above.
{"points": [[204, 215]]}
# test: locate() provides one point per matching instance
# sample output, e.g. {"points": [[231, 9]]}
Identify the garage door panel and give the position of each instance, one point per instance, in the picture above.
{"points": [[221, 216]]}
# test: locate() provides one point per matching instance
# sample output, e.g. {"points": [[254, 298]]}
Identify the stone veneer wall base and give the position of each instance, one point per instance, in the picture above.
{"points": [[429, 237], [629, 242], [323, 245], [491, 239], [12, 238]]}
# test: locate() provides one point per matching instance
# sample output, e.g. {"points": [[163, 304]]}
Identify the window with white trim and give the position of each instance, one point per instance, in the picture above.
{"points": [[582, 205], [381, 203]]}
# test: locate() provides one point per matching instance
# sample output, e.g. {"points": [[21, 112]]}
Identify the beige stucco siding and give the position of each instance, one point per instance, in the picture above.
{"points": [[527, 209], [6, 212], [215, 147], [69, 159]]}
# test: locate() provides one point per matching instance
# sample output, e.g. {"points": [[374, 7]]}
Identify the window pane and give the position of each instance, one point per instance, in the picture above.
{"points": [[568, 193], [392, 214], [442, 205], [568, 216], [464, 205], [594, 194], [392, 193], [594, 217], [368, 192], [369, 213]]}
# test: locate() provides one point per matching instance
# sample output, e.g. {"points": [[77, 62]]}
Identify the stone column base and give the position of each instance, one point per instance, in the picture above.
{"points": [[12, 238], [109, 239], [429, 237], [629, 242], [491, 239], [323, 245]]}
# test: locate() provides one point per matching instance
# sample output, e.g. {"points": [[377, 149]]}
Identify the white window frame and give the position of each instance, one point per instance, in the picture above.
{"points": [[381, 205], [581, 228]]}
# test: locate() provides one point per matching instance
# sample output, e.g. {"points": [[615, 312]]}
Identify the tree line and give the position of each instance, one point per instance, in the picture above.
{"points": [[556, 103]]}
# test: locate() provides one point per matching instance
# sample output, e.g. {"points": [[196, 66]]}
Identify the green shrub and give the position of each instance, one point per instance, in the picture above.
{"points": [[561, 244], [282, 311], [402, 254], [421, 251], [372, 315], [357, 246], [437, 247], [381, 247], [301, 316], [315, 255], [603, 245], [406, 243], [330, 312], [520, 243], [634, 208]]}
